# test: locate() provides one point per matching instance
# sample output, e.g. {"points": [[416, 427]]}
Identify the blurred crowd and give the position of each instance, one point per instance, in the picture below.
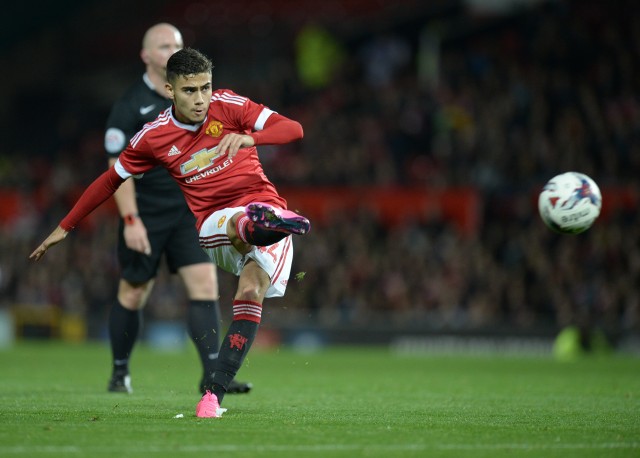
{"points": [[500, 105]]}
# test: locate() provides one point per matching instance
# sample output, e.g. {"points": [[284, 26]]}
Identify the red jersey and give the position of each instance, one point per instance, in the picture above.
{"points": [[209, 181]]}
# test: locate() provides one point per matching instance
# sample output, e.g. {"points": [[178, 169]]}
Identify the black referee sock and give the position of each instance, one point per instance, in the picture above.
{"points": [[124, 325], [235, 347], [203, 325]]}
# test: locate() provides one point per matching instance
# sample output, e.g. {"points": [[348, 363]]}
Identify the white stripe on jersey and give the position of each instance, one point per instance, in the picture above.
{"points": [[121, 171], [264, 115], [161, 120], [228, 98]]}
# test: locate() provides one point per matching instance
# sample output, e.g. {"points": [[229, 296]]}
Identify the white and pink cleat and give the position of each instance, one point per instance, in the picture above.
{"points": [[208, 407], [277, 219]]}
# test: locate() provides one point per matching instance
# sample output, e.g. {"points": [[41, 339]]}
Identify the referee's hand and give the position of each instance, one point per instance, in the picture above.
{"points": [[135, 237]]}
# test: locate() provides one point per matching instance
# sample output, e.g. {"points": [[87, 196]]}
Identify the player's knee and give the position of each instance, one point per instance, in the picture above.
{"points": [[232, 232], [231, 226], [252, 293], [253, 284]]}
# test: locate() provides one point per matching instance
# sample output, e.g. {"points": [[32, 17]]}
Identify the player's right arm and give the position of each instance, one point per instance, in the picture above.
{"points": [[100, 190]]}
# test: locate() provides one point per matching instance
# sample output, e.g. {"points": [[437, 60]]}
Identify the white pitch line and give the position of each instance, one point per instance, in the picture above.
{"points": [[71, 449]]}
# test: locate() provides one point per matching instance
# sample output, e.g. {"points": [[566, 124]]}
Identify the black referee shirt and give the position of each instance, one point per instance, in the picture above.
{"points": [[156, 191]]}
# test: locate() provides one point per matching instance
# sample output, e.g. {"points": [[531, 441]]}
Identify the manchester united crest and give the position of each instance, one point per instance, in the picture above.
{"points": [[237, 341], [214, 129]]}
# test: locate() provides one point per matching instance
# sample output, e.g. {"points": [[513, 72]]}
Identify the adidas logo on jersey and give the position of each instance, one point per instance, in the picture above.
{"points": [[174, 151]]}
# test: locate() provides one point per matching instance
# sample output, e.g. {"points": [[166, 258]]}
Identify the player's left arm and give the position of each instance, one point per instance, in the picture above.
{"points": [[54, 238], [277, 130], [100, 190]]}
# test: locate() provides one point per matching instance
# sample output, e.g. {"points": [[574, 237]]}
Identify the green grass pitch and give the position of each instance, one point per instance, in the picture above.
{"points": [[340, 402]]}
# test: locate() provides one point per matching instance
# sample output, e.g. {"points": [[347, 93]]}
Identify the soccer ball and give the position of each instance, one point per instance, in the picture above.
{"points": [[569, 203]]}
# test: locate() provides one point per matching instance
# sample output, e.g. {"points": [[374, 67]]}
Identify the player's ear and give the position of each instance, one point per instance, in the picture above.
{"points": [[168, 88]]}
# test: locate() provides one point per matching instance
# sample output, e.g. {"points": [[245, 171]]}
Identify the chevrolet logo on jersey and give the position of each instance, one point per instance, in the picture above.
{"points": [[200, 160]]}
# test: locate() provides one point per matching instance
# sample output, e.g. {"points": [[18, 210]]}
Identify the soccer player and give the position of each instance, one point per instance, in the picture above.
{"points": [[207, 141], [156, 221]]}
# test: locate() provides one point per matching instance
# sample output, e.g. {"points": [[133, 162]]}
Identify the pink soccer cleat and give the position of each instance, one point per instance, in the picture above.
{"points": [[276, 219], [208, 407]]}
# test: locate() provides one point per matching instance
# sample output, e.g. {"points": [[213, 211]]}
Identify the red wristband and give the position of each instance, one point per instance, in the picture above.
{"points": [[130, 218]]}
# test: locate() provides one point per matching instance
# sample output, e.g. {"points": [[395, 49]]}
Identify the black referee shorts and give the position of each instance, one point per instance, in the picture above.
{"points": [[172, 234]]}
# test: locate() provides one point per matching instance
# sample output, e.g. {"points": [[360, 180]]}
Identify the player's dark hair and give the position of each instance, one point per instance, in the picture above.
{"points": [[187, 61]]}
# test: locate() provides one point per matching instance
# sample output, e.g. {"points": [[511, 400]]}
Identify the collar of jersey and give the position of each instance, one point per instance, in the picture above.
{"points": [[191, 127]]}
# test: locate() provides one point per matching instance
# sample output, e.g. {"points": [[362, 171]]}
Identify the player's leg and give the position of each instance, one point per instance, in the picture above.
{"points": [[263, 271], [253, 284], [262, 224], [185, 256], [125, 321]]}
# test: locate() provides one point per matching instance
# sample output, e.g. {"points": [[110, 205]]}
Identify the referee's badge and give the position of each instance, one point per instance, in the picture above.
{"points": [[221, 221], [214, 129]]}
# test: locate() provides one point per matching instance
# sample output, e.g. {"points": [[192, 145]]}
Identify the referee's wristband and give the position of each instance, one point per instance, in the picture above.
{"points": [[130, 218]]}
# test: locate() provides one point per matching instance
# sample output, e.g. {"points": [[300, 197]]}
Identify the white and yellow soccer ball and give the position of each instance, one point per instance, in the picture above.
{"points": [[570, 203]]}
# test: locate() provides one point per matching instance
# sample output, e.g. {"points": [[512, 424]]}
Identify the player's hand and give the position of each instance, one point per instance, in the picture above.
{"points": [[135, 237], [55, 237], [231, 143]]}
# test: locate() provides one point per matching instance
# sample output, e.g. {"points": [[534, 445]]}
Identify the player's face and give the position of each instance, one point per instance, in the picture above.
{"points": [[191, 96]]}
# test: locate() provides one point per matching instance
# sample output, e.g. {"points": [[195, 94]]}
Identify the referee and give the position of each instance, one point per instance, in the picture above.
{"points": [[155, 220]]}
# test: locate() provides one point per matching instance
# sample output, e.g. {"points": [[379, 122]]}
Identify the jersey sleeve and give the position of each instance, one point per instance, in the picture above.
{"points": [[96, 193], [136, 160], [246, 114], [266, 126], [278, 130]]}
